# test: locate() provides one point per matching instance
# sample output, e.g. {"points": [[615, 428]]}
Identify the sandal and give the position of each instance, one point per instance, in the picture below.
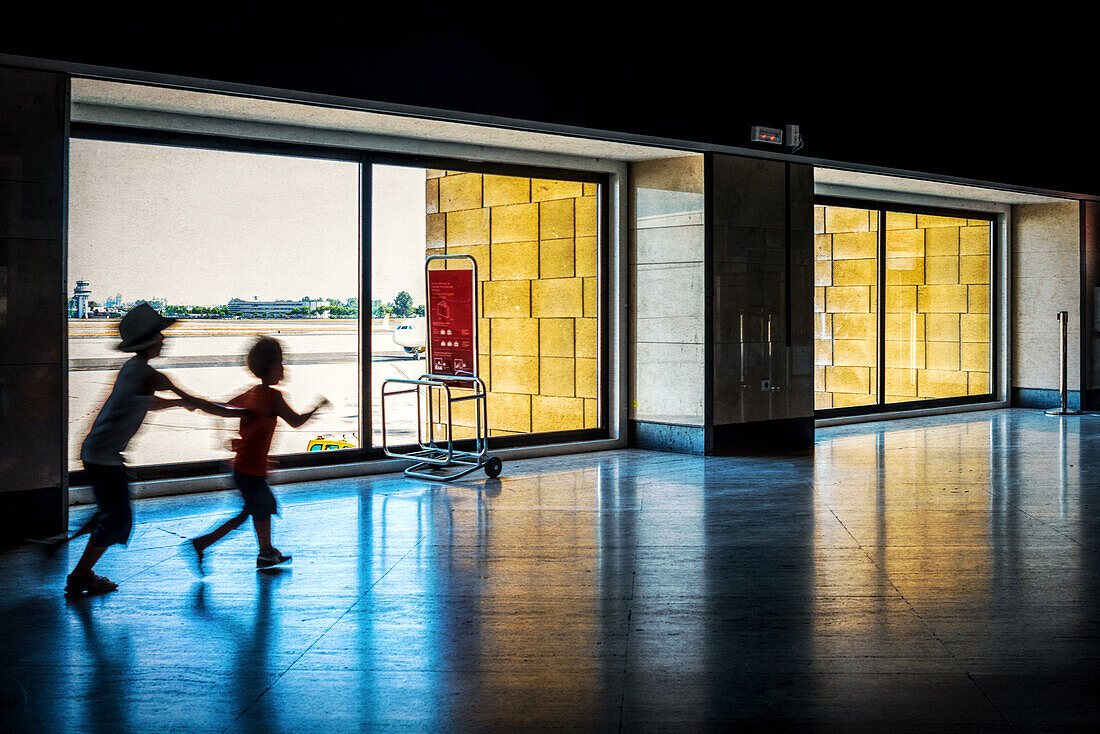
{"points": [[88, 585]]}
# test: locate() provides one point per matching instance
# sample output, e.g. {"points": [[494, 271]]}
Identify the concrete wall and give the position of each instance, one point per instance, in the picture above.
{"points": [[1046, 279], [33, 178], [536, 244], [666, 308]]}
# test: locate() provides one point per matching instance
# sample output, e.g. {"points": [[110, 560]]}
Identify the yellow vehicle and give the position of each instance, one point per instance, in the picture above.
{"points": [[327, 442]]}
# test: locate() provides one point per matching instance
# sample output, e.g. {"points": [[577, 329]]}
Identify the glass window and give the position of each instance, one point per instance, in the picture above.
{"points": [[535, 245], [234, 245], [931, 337], [937, 307], [240, 244]]}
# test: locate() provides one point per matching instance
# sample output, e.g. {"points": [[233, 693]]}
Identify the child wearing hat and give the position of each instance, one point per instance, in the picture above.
{"points": [[264, 406], [118, 420]]}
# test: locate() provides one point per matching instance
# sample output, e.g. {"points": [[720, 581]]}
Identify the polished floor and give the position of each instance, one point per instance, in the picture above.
{"points": [[937, 574]]}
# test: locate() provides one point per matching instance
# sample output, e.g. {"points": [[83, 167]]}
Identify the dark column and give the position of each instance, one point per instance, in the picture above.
{"points": [[1090, 285], [761, 224], [33, 182]]}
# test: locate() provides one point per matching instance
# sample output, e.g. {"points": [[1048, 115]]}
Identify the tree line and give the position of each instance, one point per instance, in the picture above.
{"points": [[401, 307]]}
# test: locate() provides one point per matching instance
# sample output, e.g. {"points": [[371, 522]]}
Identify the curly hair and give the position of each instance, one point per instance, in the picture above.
{"points": [[263, 355]]}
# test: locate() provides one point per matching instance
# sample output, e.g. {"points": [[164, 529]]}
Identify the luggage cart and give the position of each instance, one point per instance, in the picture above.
{"points": [[453, 364]]}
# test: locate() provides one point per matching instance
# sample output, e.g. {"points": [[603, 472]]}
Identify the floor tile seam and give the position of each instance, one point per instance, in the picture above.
{"points": [[931, 630], [151, 566], [1045, 524], [924, 622], [319, 637], [629, 617]]}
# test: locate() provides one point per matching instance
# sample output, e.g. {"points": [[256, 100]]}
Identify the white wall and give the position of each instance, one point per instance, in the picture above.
{"points": [[1046, 279], [667, 289]]}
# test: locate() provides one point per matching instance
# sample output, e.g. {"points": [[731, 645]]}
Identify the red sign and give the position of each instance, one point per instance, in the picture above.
{"points": [[451, 322]]}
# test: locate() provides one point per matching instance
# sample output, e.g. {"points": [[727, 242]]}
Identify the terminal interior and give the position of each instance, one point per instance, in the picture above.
{"points": [[787, 444]]}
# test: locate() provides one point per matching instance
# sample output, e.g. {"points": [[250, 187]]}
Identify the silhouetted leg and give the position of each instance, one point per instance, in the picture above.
{"points": [[205, 541], [262, 524], [86, 528], [92, 553]]}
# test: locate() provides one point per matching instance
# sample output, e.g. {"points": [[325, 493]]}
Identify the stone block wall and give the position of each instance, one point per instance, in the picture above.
{"points": [[536, 244], [667, 309], [1046, 279], [937, 307]]}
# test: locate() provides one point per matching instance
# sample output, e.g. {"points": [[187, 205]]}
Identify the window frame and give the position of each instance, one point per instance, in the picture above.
{"points": [[880, 208], [367, 158]]}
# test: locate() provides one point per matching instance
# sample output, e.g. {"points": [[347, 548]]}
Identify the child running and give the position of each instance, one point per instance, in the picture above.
{"points": [[119, 419], [264, 405]]}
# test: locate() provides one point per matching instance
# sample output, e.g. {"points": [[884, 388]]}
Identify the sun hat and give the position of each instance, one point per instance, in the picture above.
{"points": [[140, 327]]}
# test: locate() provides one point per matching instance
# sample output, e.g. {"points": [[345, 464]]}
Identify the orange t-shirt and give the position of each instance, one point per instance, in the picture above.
{"points": [[257, 429]]}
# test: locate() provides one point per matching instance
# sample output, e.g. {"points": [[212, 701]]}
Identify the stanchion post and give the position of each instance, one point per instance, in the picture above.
{"points": [[1063, 386]]}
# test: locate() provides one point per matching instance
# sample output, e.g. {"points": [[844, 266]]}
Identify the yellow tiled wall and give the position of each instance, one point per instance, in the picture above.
{"points": [[937, 306], [845, 306], [535, 242]]}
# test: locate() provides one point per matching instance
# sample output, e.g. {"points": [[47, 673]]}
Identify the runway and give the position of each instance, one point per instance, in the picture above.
{"points": [[206, 358]]}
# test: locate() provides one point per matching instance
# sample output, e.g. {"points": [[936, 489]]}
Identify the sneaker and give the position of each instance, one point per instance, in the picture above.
{"points": [[88, 584], [273, 557], [193, 555]]}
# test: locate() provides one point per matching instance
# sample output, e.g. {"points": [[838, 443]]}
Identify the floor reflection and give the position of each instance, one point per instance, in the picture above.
{"points": [[110, 657], [923, 575]]}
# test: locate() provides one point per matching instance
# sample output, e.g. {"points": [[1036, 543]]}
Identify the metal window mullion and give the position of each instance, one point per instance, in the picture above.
{"points": [[881, 288], [366, 291]]}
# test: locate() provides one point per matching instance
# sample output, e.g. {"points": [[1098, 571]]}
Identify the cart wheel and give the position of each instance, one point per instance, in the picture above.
{"points": [[493, 466]]}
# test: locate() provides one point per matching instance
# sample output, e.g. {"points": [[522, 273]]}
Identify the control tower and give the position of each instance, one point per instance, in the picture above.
{"points": [[81, 294]]}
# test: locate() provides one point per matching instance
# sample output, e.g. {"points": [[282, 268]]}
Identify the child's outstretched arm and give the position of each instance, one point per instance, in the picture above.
{"points": [[160, 403], [159, 381], [296, 419]]}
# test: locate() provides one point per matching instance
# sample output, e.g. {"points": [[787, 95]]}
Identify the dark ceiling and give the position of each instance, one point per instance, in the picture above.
{"points": [[945, 95]]}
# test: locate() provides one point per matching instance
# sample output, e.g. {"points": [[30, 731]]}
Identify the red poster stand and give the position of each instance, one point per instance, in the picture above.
{"points": [[452, 359], [452, 325]]}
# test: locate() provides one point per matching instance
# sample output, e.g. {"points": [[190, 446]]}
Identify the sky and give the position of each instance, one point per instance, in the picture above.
{"points": [[198, 227]]}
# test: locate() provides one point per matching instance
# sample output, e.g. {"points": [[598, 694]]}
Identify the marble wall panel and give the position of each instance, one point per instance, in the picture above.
{"points": [[668, 380], [752, 190], [1046, 279], [672, 290], [756, 281], [31, 210], [1090, 217], [674, 243], [32, 142], [31, 426], [667, 287], [32, 306]]}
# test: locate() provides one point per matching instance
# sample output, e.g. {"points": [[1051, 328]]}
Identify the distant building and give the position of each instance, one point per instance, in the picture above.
{"points": [[256, 307], [81, 294]]}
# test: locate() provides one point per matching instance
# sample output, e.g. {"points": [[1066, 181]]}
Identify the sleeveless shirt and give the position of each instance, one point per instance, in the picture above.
{"points": [[121, 415], [257, 429]]}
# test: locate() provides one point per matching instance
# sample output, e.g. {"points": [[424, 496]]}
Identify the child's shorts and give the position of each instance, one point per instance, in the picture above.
{"points": [[258, 498], [115, 519]]}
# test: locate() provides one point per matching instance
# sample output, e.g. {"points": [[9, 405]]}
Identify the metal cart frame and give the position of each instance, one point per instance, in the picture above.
{"points": [[430, 453]]}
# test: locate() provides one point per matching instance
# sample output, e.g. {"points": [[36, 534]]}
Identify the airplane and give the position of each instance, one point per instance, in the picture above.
{"points": [[412, 335]]}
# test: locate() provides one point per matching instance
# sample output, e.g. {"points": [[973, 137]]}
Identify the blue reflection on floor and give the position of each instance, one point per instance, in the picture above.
{"points": [[936, 574]]}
